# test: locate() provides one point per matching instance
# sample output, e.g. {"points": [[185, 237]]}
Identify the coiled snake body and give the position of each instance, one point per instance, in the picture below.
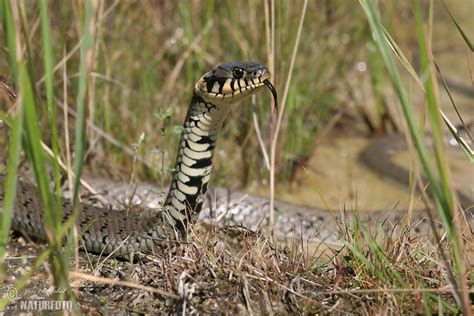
{"points": [[108, 231]]}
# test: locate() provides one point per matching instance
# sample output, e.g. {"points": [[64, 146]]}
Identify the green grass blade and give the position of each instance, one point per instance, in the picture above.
{"points": [[461, 31], [436, 132], [48, 68], [10, 186], [7, 207], [8, 27], [60, 263], [35, 152], [446, 213], [363, 259], [86, 46]]}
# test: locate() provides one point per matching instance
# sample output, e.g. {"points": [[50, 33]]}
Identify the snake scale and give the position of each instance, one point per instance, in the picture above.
{"points": [[108, 231]]}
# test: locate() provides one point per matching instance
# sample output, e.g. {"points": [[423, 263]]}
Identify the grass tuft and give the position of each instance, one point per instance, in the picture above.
{"points": [[440, 184]]}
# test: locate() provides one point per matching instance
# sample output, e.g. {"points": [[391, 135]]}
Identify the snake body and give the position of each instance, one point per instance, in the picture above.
{"points": [[108, 231]]}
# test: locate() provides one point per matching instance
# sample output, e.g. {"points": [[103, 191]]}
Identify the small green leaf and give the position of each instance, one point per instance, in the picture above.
{"points": [[178, 129]]}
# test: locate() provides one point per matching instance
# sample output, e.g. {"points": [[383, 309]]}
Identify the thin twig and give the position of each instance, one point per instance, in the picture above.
{"points": [[66, 129], [68, 157], [259, 134]]}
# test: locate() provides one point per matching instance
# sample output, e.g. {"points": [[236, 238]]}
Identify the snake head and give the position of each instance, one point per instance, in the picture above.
{"points": [[229, 83]]}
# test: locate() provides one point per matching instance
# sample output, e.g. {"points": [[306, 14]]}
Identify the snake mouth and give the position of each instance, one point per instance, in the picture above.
{"points": [[272, 89]]}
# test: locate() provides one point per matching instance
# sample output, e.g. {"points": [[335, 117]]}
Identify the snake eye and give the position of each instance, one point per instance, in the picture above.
{"points": [[238, 73]]}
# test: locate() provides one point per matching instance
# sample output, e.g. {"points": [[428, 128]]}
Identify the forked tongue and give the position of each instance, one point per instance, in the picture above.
{"points": [[274, 92]]}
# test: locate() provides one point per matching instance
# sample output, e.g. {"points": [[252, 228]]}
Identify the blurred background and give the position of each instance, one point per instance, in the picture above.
{"points": [[148, 55]]}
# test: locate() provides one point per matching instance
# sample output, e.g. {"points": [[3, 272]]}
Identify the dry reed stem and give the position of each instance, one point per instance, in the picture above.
{"points": [[259, 133], [280, 117]]}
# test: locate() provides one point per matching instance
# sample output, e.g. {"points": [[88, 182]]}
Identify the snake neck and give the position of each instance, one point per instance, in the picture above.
{"points": [[193, 167]]}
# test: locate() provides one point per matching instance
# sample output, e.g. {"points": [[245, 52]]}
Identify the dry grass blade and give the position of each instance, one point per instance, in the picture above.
{"points": [[259, 133], [461, 31], [401, 56], [452, 100], [100, 280], [454, 131]]}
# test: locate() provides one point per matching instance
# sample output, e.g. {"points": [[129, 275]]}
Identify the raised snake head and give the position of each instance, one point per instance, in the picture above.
{"points": [[231, 82]]}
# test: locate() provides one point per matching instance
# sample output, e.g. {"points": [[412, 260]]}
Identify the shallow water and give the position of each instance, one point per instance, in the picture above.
{"points": [[336, 178]]}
